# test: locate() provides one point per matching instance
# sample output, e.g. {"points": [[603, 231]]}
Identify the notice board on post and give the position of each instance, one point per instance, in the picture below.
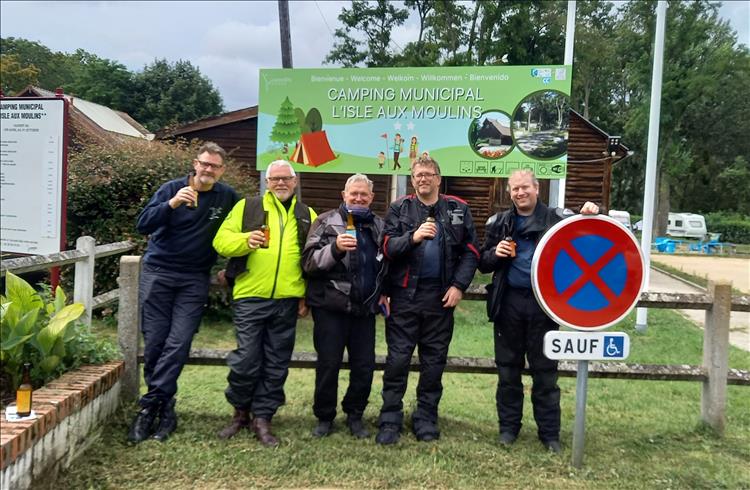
{"points": [[33, 169], [484, 121]]}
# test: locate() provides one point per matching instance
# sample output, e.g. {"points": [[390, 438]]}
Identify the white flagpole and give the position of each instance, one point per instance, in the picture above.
{"points": [[557, 187], [649, 192]]}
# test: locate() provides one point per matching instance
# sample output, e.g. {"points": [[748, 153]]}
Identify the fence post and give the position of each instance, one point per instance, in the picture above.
{"points": [[127, 324], [83, 287], [716, 355]]}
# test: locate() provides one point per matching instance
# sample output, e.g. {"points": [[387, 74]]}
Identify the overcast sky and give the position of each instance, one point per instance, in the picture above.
{"points": [[228, 41]]}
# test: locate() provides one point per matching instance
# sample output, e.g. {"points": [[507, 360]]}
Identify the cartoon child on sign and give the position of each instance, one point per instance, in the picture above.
{"points": [[413, 150], [398, 142], [381, 159]]}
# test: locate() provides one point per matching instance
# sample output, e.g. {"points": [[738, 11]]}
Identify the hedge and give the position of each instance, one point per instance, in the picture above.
{"points": [[733, 227]]}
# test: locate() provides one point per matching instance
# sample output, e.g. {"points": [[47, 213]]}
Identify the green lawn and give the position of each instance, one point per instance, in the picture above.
{"points": [[640, 434]]}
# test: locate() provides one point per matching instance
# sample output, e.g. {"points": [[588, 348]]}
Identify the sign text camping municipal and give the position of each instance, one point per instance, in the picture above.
{"points": [[475, 121]]}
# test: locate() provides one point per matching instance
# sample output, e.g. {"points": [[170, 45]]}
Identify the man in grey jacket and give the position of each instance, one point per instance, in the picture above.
{"points": [[342, 264]]}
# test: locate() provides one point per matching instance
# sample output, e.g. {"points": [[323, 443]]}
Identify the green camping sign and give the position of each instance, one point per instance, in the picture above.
{"points": [[475, 121]]}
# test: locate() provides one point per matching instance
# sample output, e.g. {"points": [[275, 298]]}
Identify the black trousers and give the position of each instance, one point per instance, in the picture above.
{"points": [[259, 366], [520, 332], [333, 331], [172, 305], [419, 322]]}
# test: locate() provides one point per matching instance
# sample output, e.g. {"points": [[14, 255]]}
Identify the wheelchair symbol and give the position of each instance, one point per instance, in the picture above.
{"points": [[614, 347]]}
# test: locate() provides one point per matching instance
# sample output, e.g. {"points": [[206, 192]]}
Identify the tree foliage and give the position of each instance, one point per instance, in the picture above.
{"points": [[703, 144], [161, 94]]}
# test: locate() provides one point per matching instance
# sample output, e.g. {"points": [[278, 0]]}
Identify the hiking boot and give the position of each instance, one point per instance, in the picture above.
{"points": [[324, 428], [167, 422], [262, 429], [552, 446], [427, 433], [357, 427], [507, 438], [143, 425], [388, 434], [241, 420]]}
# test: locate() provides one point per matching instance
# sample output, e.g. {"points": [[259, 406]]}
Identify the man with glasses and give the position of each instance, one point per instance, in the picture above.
{"points": [[264, 237], [429, 242], [181, 219]]}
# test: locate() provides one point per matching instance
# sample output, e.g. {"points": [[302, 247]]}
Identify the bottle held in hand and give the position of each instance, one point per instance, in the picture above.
{"points": [[512, 244], [192, 205], [350, 229], [431, 218], [266, 231]]}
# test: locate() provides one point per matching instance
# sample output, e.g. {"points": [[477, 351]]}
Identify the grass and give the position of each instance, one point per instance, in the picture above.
{"points": [[639, 434]]}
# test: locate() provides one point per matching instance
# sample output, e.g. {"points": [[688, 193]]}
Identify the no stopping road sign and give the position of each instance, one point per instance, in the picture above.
{"points": [[587, 272]]}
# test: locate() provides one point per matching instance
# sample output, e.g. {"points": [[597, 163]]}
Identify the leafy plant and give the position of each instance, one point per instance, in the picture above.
{"points": [[40, 332]]}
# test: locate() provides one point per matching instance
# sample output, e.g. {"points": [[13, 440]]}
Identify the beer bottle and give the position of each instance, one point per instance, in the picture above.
{"points": [[192, 205], [350, 229], [266, 230], [512, 243], [24, 392], [430, 218]]}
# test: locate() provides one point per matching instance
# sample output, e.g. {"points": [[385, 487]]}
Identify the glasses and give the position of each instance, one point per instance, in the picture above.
{"points": [[212, 166], [423, 175], [276, 180]]}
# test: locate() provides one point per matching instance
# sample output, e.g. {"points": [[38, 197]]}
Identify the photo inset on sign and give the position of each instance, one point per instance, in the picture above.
{"points": [[540, 124], [490, 135]]}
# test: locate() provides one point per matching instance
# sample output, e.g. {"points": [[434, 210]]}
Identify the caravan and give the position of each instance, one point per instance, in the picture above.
{"points": [[621, 217], [686, 225]]}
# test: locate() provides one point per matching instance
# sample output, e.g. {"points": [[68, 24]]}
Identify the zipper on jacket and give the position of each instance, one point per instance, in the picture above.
{"points": [[281, 242]]}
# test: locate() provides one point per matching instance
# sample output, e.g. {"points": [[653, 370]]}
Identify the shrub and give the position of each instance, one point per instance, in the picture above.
{"points": [[733, 227], [44, 332]]}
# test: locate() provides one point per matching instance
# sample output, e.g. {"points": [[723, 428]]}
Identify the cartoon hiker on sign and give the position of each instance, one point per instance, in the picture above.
{"points": [[398, 142]]}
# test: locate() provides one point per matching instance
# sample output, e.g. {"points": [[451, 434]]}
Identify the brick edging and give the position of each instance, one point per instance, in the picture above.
{"points": [[52, 403]]}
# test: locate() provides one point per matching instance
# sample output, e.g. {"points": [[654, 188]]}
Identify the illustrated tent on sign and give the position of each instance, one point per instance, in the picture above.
{"points": [[313, 149]]}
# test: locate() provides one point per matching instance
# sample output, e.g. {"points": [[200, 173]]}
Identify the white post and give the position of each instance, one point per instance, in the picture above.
{"points": [[557, 187], [652, 151], [83, 287]]}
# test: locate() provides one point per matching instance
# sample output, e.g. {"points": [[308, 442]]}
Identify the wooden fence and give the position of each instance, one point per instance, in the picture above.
{"points": [[714, 373]]}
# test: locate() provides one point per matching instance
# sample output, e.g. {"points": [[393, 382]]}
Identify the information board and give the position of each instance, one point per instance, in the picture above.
{"points": [[484, 121], [32, 170]]}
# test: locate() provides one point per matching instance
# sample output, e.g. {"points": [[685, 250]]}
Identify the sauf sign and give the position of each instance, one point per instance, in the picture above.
{"points": [[591, 346]]}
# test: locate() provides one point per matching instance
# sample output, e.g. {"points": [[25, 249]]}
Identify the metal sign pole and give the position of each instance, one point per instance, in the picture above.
{"points": [[579, 430]]}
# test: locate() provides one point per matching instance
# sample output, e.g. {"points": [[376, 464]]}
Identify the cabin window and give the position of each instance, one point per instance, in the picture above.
{"points": [[678, 223]]}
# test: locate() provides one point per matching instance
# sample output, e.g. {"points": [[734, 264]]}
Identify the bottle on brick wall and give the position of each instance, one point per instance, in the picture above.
{"points": [[24, 392]]}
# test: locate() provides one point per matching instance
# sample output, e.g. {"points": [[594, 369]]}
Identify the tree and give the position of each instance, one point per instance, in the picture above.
{"points": [[14, 76], [55, 69], [102, 81], [286, 129], [375, 23], [173, 93]]}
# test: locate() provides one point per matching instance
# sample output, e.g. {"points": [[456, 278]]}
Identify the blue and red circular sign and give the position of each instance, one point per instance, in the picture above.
{"points": [[587, 272]]}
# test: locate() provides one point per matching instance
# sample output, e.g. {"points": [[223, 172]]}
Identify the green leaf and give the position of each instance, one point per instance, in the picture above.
{"points": [[14, 341], [49, 334], [60, 299], [49, 364]]}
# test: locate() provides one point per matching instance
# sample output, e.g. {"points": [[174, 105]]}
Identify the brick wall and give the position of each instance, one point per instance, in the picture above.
{"points": [[67, 409]]}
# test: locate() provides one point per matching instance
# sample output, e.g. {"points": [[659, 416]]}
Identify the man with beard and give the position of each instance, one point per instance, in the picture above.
{"points": [[181, 219], [264, 236]]}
